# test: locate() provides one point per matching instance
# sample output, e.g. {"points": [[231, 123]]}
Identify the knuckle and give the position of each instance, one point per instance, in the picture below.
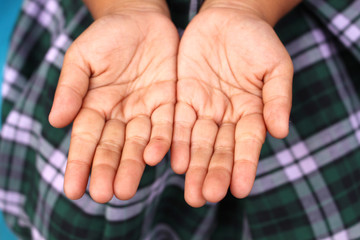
{"points": [[79, 163], [137, 140], [251, 137], [246, 162], [83, 137]]}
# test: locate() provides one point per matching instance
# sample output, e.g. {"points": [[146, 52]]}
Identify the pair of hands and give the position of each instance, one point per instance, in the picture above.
{"points": [[133, 90]]}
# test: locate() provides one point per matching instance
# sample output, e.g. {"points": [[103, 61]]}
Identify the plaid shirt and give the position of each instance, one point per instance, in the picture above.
{"points": [[307, 185]]}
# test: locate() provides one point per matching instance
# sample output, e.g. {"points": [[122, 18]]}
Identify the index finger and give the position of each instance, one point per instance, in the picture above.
{"points": [[249, 137], [85, 136]]}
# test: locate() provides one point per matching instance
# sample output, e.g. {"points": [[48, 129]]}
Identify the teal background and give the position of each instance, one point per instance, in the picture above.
{"points": [[9, 10]]}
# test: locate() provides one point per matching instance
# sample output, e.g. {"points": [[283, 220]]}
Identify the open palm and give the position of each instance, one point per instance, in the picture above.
{"points": [[118, 83], [234, 82]]}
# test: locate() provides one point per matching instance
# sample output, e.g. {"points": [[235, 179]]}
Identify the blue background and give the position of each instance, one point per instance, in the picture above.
{"points": [[9, 10]]}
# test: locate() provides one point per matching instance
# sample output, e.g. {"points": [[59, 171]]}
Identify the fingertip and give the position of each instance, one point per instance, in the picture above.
{"points": [[242, 179], [194, 180], [281, 132], [73, 192], [75, 179], [52, 119], [277, 121], [101, 185], [278, 130], [216, 185], [194, 202], [100, 195], [57, 121], [240, 191], [178, 169], [155, 151], [123, 192], [64, 110], [179, 158], [127, 180]]}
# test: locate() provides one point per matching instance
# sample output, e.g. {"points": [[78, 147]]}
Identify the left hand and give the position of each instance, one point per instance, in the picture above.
{"points": [[234, 83]]}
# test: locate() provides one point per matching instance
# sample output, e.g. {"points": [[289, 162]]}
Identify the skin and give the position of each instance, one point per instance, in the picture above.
{"points": [[234, 84], [131, 90], [117, 85]]}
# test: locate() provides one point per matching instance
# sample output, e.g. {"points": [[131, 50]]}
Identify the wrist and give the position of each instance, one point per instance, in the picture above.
{"points": [[108, 7], [270, 11]]}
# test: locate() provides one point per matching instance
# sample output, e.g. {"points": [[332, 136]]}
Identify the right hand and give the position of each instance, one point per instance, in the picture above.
{"points": [[118, 86]]}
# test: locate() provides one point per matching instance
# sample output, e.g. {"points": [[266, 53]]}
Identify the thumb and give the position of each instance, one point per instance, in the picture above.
{"points": [[72, 87], [277, 97]]}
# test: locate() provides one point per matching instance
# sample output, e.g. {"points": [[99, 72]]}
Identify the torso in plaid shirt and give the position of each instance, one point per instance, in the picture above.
{"points": [[307, 185]]}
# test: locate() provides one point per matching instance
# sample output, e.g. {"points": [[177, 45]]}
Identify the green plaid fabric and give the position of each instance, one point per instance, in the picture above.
{"points": [[307, 185]]}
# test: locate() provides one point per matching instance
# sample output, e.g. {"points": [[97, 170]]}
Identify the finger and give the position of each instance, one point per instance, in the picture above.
{"points": [[132, 164], [161, 134], [218, 178], [106, 161], [277, 97], [185, 117], [249, 136], [71, 89], [202, 143], [85, 136]]}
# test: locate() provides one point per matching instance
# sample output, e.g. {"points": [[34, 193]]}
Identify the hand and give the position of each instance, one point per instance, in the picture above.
{"points": [[118, 83], [234, 82]]}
